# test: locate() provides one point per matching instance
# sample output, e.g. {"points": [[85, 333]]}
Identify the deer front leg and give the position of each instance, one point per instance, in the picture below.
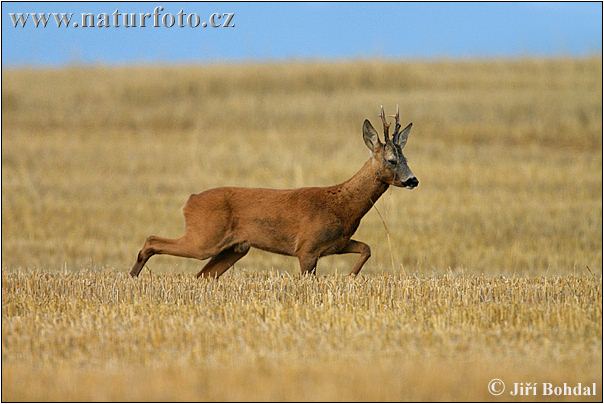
{"points": [[357, 247]]}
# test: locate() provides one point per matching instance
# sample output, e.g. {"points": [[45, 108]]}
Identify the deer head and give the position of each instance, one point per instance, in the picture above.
{"points": [[392, 164]]}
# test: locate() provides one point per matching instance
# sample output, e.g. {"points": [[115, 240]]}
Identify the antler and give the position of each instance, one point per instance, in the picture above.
{"points": [[397, 124], [385, 123]]}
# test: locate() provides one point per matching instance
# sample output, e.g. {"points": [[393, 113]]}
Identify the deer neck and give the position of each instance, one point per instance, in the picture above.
{"points": [[359, 193]]}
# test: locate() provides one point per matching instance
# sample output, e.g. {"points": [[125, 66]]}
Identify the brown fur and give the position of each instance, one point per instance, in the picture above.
{"points": [[308, 223]]}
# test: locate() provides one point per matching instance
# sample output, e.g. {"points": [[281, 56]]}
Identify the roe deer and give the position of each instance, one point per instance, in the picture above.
{"points": [[308, 223]]}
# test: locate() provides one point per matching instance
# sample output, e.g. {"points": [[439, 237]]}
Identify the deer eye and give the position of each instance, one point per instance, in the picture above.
{"points": [[392, 161]]}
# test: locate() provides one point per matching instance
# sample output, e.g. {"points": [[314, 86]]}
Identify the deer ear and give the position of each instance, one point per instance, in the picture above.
{"points": [[401, 138], [370, 136]]}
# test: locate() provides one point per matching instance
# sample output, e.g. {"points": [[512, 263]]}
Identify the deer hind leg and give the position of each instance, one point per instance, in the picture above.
{"points": [[158, 245], [308, 264], [220, 263], [357, 247]]}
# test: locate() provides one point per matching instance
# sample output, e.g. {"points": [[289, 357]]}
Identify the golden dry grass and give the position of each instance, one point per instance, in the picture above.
{"points": [[487, 276], [255, 336]]}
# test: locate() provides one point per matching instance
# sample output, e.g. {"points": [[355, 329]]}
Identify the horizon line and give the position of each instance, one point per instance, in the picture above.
{"points": [[300, 61]]}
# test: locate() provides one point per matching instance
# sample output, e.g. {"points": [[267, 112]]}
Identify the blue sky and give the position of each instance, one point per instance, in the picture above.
{"points": [[304, 31]]}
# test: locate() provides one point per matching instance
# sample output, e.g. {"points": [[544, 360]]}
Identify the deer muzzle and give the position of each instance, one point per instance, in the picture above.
{"points": [[410, 183]]}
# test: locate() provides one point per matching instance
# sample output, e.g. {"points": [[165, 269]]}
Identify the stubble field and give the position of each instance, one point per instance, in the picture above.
{"points": [[493, 270]]}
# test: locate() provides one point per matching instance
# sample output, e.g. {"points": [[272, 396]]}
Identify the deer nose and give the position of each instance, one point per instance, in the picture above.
{"points": [[411, 182]]}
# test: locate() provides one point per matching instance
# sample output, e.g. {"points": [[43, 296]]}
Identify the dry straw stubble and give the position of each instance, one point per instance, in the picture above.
{"points": [[490, 252]]}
